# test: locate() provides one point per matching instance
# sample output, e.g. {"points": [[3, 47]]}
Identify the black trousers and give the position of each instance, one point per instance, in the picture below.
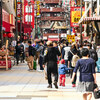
{"points": [[41, 63], [17, 58], [52, 69]]}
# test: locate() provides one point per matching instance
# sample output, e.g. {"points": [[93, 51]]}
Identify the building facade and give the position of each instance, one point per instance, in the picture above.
{"points": [[53, 20]]}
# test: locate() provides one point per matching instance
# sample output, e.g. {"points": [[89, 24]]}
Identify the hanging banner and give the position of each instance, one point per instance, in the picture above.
{"points": [[76, 15]]}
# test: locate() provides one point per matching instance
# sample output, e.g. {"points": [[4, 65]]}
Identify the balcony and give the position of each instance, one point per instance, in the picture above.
{"points": [[52, 9], [60, 18], [51, 1]]}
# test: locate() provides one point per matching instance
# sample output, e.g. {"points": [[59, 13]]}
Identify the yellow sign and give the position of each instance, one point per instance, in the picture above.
{"points": [[71, 38], [76, 16], [38, 8]]}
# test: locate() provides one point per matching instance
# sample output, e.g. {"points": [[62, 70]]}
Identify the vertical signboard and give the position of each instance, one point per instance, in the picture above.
{"points": [[19, 9], [29, 12], [38, 8], [76, 15]]}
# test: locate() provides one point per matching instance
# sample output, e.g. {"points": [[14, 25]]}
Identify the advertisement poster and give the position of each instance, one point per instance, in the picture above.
{"points": [[76, 15]]}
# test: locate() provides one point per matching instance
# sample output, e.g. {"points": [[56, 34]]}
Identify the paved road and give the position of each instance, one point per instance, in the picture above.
{"points": [[20, 84]]}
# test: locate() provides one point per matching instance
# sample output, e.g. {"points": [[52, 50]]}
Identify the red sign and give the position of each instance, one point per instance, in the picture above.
{"points": [[76, 15], [29, 12]]}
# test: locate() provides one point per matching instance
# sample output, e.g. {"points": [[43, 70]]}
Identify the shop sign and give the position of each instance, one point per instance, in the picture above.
{"points": [[63, 35], [44, 38], [52, 36], [38, 8], [29, 12], [76, 15], [19, 9], [88, 0], [71, 38]]}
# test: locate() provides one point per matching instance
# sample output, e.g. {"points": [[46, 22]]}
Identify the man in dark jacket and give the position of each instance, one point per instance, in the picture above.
{"points": [[51, 59], [17, 48], [31, 52]]}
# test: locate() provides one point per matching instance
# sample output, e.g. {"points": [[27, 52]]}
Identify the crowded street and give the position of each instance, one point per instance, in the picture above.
{"points": [[20, 84], [49, 49]]}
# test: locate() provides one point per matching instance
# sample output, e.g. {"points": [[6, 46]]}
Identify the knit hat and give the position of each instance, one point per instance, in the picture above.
{"points": [[62, 61]]}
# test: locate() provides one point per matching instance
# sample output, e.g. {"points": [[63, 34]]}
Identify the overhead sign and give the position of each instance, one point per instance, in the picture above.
{"points": [[76, 15], [71, 38]]}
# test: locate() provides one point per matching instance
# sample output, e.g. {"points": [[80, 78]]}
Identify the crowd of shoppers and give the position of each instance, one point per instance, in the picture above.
{"points": [[71, 57]]}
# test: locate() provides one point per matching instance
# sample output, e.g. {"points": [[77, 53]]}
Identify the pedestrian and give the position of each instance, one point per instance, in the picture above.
{"points": [[71, 53], [65, 51], [41, 49], [87, 76], [92, 53], [22, 48], [62, 72], [51, 59], [31, 55], [17, 53]]}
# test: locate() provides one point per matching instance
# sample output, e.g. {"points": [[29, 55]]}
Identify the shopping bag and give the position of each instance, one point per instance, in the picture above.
{"points": [[96, 92], [34, 65]]}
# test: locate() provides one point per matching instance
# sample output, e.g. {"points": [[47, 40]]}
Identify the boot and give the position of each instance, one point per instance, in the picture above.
{"points": [[49, 86], [55, 84]]}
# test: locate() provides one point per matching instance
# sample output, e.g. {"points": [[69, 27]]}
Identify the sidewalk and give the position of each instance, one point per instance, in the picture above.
{"points": [[20, 84]]}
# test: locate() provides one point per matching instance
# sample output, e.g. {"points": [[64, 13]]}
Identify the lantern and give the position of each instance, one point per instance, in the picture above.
{"points": [[4, 35], [10, 35]]}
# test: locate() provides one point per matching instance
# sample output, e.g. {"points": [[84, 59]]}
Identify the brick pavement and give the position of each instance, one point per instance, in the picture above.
{"points": [[20, 84]]}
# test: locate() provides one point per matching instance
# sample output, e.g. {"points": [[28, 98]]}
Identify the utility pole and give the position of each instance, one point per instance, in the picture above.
{"points": [[1, 38], [16, 22], [81, 5]]}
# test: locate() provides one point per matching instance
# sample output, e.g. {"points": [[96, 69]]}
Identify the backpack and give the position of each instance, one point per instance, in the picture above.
{"points": [[75, 58], [33, 51]]}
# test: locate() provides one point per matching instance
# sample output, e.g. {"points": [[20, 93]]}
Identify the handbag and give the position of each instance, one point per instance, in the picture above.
{"points": [[96, 92]]}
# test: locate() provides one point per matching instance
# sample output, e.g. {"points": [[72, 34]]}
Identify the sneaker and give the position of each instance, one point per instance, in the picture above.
{"points": [[49, 86], [55, 84], [63, 85], [73, 85]]}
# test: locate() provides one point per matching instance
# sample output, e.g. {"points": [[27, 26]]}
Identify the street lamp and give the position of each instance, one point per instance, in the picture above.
{"points": [[1, 38]]}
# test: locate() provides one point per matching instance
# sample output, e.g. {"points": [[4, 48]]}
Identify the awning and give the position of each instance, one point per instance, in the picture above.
{"points": [[6, 26], [53, 39], [87, 20]]}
